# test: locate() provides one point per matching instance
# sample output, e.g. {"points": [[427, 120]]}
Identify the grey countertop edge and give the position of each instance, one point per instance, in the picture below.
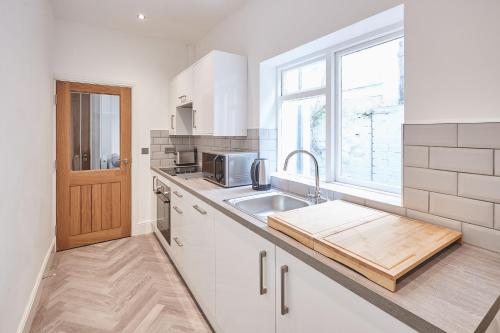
{"points": [[409, 318]]}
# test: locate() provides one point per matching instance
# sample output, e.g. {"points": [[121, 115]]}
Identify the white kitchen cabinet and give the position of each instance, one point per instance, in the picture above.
{"points": [[184, 87], [199, 258], [178, 226], [312, 302], [244, 293], [180, 118], [220, 95]]}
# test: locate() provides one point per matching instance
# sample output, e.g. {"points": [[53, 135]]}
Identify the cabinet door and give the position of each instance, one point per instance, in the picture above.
{"points": [[185, 86], [178, 225], [312, 302], [244, 292], [172, 104], [199, 259], [203, 96]]}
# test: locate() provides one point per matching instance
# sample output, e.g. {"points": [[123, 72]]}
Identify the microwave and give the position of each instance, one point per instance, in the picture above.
{"points": [[227, 169]]}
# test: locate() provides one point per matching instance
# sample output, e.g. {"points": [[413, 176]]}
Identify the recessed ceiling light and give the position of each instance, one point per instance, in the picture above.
{"points": [[141, 17]]}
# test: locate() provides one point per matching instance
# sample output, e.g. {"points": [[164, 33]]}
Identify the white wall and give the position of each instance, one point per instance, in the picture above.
{"points": [[451, 56], [452, 61], [262, 29], [86, 54], [26, 129]]}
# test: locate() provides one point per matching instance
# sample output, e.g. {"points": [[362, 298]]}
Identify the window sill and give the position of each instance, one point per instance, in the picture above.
{"points": [[386, 201]]}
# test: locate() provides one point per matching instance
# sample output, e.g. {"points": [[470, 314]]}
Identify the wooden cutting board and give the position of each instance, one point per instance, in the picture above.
{"points": [[383, 247], [306, 224]]}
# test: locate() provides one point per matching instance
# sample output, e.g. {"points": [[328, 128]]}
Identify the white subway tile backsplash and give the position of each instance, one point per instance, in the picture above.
{"points": [[347, 197], [497, 217], [497, 162], [441, 221], [479, 187], [462, 159], [386, 207], [416, 156], [482, 237], [298, 188], [431, 135], [431, 180], [416, 199], [481, 135], [462, 209]]}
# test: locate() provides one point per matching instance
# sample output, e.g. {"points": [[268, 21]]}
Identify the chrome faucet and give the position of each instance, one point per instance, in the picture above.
{"points": [[317, 194]]}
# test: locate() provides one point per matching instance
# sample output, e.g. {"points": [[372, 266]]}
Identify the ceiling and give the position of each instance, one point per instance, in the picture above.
{"points": [[182, 21]]}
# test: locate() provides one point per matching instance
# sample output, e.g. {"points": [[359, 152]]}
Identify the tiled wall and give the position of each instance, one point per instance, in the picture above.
{"points": [[452, 177], [262, 140]]}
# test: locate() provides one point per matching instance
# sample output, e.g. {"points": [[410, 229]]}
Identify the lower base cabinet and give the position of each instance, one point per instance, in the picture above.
{"points": [[308, 301], [246, 284], [245, 279]]}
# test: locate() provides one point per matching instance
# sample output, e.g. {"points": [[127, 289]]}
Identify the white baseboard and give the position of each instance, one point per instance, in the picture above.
{"points": [[142, 228], [29, 311]]}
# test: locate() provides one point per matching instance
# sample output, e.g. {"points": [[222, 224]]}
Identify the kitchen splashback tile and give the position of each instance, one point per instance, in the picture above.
{"points": [[497, 217], [462, 159], [497, 162], [462, 209], [479, 187], [482, 135], [431, 135], [416, 156], [416, 199], [431, 180], [482, 237], [441, 221]]}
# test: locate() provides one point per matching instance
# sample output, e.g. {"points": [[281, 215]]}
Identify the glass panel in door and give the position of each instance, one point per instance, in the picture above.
{"points": [[95, 127]]}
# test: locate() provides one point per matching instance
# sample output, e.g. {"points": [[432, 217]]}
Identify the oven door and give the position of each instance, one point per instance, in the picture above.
{"points": [[163, 216]]}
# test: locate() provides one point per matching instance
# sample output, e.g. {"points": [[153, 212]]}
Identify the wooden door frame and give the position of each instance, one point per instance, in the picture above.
{"points": [[65, 176]]}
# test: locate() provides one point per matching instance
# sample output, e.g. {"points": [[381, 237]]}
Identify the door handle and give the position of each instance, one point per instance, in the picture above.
{"points": [[284, 308], [177, 210], [178, 194], [179, 244], [262, 255], [200, 210], [172, 121], [194, 118], [154, 180]]}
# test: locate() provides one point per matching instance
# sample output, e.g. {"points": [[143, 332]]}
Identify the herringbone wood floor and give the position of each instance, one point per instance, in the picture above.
{"points": [[126, 285]]}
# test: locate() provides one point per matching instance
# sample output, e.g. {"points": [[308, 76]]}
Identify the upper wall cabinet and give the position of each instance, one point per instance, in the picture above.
{"points": [[217, 88]]}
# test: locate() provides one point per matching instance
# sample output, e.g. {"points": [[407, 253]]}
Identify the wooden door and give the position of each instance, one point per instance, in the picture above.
{"points": [[93, 147]]}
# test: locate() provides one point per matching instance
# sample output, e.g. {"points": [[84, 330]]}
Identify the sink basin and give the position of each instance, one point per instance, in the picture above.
{"points": [[261, 206]]}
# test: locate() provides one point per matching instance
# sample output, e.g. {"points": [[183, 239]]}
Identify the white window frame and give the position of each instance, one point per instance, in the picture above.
{"points": [[332, 93]]}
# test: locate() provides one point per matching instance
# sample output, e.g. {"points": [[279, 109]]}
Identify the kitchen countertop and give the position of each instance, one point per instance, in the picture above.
{"points": [[458, 290]]}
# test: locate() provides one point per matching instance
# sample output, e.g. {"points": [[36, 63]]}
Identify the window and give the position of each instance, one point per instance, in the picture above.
{"points": [[346, 106], [303, 115]]}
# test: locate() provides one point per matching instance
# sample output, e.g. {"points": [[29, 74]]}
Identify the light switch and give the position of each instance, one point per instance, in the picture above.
{"points": [[144, 151]]}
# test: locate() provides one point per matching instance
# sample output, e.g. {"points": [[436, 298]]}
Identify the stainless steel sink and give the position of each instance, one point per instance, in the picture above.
{"points": [[261, 206]]}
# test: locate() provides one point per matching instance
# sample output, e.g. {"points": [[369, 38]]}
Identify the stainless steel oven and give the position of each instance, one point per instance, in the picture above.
{"points": [[228, 169], [163, 223]]}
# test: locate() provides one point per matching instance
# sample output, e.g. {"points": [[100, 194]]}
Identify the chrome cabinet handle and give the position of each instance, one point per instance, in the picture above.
{"points": [[194, 118], [179, 244], [178, 194], [177, 210], [172, 121], [262, 255], [154, 180], [200, 210], [284, 308]]}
